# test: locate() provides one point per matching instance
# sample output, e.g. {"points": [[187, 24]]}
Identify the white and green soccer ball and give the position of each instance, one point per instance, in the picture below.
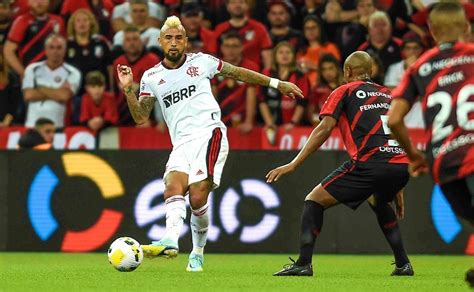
{"points": [[125, 254]]}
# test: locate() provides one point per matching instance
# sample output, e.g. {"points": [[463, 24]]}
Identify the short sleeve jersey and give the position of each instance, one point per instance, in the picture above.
{"points": [[361, 107], [254, 34], [444, 79], [185, 96], [39, 74], [30, 34]]}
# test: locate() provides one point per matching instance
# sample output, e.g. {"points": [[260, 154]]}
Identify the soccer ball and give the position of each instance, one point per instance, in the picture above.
{"points": [[125, 254]]}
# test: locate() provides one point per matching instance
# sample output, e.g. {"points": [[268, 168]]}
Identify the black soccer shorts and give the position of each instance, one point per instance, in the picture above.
{"points": [[354, 182], [460, 195]]}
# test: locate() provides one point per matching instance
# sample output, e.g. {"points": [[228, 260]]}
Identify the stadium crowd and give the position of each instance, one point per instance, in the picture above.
{"points": [[58, 57]]}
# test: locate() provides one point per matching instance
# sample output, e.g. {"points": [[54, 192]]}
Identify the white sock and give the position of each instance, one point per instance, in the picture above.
{"points": [[175, 215], [199, 227]]}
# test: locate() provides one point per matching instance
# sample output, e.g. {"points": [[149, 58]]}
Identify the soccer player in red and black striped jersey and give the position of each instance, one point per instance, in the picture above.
{"points": [[444, 78], [378, 168]]}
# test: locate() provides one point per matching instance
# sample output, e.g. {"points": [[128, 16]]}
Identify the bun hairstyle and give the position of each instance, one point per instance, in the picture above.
{"points": [[172, 22]]}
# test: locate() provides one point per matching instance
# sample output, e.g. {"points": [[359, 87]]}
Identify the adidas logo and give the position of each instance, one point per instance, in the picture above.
{"points": [[199, 172], [161, 82]]}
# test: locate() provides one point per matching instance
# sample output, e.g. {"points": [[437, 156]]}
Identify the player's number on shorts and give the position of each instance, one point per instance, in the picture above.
{"points": [[463, 108], [386, 130]]}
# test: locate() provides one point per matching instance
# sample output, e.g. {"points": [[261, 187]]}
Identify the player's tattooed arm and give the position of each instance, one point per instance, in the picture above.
{"points": [[255, 78], [141, 108]]}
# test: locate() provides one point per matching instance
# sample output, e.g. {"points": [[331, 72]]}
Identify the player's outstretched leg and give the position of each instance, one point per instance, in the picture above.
{"points": [[175, 215], [387, 220], [311, 224], [199, 193]]}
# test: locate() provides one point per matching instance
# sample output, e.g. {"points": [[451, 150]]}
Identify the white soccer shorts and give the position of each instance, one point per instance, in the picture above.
{"points": [[201, 158]]}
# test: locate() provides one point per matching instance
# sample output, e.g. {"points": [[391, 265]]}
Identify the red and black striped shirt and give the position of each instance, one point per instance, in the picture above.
{"points": [[444, 78], [232, 95], [30, 32], [361, 110]]}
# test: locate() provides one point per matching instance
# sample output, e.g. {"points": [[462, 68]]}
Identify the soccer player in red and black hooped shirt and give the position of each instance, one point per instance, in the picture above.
{"points": [[25, 44], [257, 41], [444, 78], [377, 169], [237, 100]]}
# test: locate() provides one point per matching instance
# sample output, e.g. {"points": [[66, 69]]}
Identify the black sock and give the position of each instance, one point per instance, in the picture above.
{"points": [[388, 223], [311, 223]]}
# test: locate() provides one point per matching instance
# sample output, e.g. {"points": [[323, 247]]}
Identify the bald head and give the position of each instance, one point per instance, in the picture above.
{"points": [[358, 66], [448, 22]]}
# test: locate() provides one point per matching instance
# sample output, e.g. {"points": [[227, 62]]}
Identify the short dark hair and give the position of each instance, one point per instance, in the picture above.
{"points": [[43, 121], [131, 28], [95, 78], [139, 2], [231, 35]]}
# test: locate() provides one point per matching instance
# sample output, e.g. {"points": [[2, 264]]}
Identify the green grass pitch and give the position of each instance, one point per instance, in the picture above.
{"points": [[245, 272]]}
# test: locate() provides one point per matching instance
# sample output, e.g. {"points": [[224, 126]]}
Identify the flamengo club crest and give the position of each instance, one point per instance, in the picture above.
{"points": [[192, 71]]}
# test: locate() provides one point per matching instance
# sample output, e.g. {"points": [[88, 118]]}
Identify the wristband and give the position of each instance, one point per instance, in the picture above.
{"points": [[274, 83]]}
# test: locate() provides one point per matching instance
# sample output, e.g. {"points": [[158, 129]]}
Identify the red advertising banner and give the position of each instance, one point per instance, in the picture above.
{"points": [[72, 138]]}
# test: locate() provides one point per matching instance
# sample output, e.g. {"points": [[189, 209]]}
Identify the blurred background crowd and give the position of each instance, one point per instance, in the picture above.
{"points": [[58, 57]]}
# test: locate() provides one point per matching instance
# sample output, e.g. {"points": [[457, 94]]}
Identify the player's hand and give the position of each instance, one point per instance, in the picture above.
{"points": [[418, 164], [278, 172], [125, 76], [400, 205], [289, 89]]}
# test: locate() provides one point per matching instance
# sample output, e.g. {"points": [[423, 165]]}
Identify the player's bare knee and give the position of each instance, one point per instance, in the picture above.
{"points": [[174, 189], [321, 196], [198, 193], [197, 201]]}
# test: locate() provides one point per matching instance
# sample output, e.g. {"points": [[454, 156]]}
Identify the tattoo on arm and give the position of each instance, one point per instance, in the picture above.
{"points": [[141, 108], [245, 75]]}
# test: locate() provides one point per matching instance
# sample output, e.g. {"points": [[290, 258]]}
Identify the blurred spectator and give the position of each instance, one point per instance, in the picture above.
{"points": [[420, 18], [87, 50], [340, 11], [399, 13], [200, 39], [48, 85], [277, 109], [122, 14], [19, 7], [28, 34], [237, 100], [139, 60], [149, 35], [257, 41], [279, 16], [469, 37], [351, 35], [411, 50], [40, 137], [314, 47], [310, 7], [10, 95], [5, 21], [102, 9], [98, 108], [378, 73], [330, 77], [381, 42]]}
